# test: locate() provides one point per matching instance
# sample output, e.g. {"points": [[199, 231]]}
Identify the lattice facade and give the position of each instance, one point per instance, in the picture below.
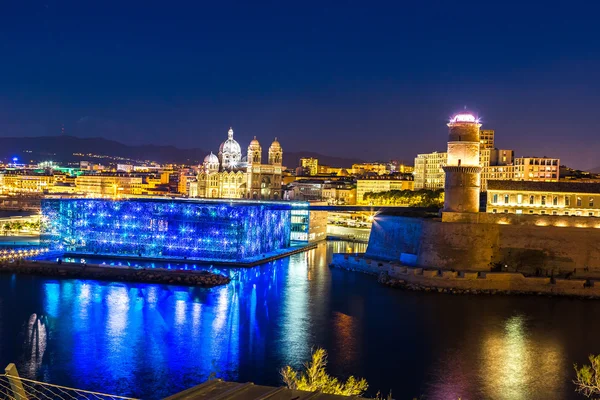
{"points": [[166, 228]]}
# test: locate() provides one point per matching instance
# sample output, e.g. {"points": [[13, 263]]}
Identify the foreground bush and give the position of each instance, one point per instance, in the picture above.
{"points": [[588, 377], [315, 379]]}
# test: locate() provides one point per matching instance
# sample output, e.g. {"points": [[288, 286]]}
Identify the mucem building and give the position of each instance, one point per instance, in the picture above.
{"points": [[167, 228]]}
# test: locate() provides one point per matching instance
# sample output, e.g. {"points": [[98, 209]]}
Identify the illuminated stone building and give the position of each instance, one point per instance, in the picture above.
{"points": [[339, 192], [380, 184], [310, 165], [229, 175], [109, 185], [550, 198], [26, 183], [463, 172], [428, 170], [377, 168], [541, 169], [333, 192], [486, 138]]}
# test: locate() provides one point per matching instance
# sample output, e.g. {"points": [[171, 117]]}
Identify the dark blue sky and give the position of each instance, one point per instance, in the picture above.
{"points": [[374, 80]]}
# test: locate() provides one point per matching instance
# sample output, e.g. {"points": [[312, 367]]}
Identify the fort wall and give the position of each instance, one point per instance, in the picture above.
{"points": [[466, 282], [528, 244]]}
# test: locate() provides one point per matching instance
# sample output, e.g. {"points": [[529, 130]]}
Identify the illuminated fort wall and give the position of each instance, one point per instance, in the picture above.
{"points": [[524, 243], [168, 228]]}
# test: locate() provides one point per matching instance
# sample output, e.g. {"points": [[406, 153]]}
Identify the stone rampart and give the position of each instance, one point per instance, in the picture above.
{"points": [[482, 246], [467, 282]]}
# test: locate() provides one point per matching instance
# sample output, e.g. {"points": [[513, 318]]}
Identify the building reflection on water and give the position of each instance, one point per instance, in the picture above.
{"points": [[150, 341], [118, 332], [513, 364]]}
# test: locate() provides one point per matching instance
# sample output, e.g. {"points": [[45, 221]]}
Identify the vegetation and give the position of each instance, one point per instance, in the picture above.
{"points": [[588, 377], [316, 379], [19, 226], [407, 198]]}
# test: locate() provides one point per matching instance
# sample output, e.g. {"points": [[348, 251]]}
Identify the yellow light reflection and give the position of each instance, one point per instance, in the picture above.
{"points": [[513, 364]]}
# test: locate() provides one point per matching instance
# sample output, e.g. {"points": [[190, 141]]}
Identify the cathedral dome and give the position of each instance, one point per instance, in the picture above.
{"points": [[275, 145], [230, 146], [230, 152], [254, 143], [211, 159]]}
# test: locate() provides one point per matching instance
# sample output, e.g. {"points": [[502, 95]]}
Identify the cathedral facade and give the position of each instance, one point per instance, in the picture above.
{"points": [[229, 175]]}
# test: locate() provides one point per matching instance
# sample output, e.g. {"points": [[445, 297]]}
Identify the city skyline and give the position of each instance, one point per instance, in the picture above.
{"points": [[330, 77]]}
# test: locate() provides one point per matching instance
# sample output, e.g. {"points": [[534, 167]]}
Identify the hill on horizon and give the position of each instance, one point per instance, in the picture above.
{"points": [[62, 148]]}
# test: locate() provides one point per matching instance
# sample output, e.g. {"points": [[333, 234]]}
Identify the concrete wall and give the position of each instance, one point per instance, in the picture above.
{"points": [[479, 246]]}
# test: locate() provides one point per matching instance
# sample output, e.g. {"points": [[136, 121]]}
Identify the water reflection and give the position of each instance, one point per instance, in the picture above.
{"points": [[150, 341], [35, 343], [513, 364]]}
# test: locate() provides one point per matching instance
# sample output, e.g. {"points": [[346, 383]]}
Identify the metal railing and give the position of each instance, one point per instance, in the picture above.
{"points": [[13, 387]]}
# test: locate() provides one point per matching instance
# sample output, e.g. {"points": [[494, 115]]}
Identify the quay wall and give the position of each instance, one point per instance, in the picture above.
{"points": [[114, 273], [520, 246], [508, 282]]}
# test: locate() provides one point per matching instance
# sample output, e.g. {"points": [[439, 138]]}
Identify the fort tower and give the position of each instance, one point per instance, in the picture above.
{"points": [[463, 172]]}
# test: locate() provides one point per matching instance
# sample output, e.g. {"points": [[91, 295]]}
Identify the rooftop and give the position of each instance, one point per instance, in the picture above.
{"points": [[530, 186], [218, 389]]}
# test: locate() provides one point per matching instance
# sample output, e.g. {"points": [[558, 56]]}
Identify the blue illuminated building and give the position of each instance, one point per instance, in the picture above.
{"points": [[167, 228]]}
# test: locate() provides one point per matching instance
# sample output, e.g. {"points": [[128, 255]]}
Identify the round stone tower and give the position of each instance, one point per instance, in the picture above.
{"points": [[463, 172]]}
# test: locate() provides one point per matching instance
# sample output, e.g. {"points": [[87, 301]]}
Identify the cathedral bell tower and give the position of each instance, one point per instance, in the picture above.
{"points": [[463, 172]]}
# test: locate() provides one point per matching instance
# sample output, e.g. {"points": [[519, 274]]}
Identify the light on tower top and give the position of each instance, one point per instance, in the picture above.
{"points": [[464, 117]]}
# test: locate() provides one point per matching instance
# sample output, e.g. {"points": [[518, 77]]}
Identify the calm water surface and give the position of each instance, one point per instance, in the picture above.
{"points": [[153, 340]]}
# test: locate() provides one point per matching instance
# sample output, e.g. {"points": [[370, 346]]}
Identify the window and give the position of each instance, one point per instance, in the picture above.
{"points": [[554, 213], [566, 213], [530, 211], [543, 200], [591, 202], [567, 201], [505, 211], [543, 212], [531, 199], [519, 211], [591, 214], [494, 211], [495, 198], [579, 202], [519, 198], [506, 198], [555, 201]]}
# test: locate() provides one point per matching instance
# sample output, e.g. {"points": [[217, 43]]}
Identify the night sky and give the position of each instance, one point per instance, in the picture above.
{"points": [[373, 80]]}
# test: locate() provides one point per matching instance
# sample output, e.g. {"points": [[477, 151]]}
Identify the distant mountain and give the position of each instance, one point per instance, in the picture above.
{"points": [[64, 149]]}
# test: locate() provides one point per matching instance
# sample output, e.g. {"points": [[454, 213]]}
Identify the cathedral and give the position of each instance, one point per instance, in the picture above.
{"points": [[228, 175]]}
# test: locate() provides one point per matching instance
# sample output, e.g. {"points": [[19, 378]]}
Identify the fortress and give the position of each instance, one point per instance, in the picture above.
{"points": [[465, 239]]}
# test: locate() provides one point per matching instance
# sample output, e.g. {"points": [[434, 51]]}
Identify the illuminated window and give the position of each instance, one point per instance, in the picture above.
{"points": [[579, 202], [519, 211], [591, 202], [543, 200], [531, 199], [506, 198], [519, 198]]}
